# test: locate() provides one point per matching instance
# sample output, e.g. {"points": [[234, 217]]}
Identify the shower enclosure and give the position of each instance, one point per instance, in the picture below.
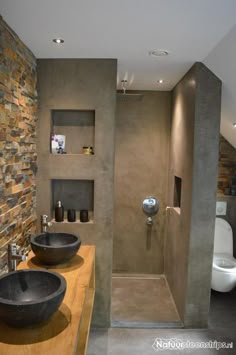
{"points": [[140, 292], [166, 147]]}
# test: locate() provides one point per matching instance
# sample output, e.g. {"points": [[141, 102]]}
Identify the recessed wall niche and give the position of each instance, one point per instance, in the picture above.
{"points": [[78, 127], [177, 191], [74, 194]]}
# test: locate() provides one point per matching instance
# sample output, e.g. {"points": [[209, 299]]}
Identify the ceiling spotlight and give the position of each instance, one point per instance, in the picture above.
{"points": [[58, 40], [158, 53], [234, 124], [160, 81]]}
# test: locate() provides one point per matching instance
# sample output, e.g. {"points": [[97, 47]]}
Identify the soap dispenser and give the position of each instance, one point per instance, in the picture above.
{"points": [[59, 212]]}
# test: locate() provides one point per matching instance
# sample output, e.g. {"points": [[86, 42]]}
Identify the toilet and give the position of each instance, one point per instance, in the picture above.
{"points": [[224, 264]]}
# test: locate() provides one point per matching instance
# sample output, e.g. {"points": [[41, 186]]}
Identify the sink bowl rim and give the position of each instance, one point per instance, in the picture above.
{"points": [[33, 240], [59, 290]]}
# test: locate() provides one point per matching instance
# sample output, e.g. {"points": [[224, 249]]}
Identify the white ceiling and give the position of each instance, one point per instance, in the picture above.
{"points": [[191, 30]]}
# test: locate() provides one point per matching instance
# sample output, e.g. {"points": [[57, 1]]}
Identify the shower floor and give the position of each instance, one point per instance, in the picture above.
{"points": [[143, 301]]}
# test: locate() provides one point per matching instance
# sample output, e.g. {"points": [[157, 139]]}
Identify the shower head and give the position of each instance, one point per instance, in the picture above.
{"points": [[124, 95], [124, 85]]}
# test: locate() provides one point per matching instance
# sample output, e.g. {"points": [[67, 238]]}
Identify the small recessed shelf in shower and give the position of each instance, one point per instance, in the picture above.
{"points": [[78, 127], [74, 194], [177, 191]]}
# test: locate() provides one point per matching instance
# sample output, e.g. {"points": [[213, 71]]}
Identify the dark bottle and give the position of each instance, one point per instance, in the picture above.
{"points": [[59, 212]]}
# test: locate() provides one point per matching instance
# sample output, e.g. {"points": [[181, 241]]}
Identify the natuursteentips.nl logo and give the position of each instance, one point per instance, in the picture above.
{"points": [[179, 344]]}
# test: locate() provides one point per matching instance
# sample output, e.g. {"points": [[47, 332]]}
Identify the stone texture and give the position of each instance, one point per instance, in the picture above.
{"points": [[18, 115], [141, 169], [230, 215], [194, 159], [227, 165]]}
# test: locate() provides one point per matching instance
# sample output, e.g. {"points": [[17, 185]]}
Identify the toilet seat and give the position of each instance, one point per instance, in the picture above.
{"points": [[223, 278], [224, 263]]}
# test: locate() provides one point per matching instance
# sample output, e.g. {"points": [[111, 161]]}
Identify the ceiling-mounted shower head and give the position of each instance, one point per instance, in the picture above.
{"points": [[123, 94], [124, 85]]}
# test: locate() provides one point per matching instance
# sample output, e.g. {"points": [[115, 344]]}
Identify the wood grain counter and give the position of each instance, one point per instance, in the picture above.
{"points": [[66, 332]]}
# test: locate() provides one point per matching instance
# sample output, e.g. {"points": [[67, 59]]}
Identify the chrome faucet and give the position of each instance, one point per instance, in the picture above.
{"points": [[14, 255], [44, 223]]}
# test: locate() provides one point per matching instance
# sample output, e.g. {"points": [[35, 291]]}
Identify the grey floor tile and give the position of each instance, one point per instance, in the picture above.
{"points": [[130, 295], [223, 309], [129, 341], [116, 341]]}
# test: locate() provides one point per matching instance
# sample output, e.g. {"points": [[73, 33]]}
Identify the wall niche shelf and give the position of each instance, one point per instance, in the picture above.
{"points": [[78, 127], [91, 221], [177, 191], [74, 194]]}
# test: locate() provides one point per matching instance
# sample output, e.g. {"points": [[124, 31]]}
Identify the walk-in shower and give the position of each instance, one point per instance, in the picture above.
{"points": [[143, 300], [140, 292]]}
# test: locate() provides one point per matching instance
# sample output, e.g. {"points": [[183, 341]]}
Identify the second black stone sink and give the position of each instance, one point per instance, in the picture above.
{"points": [[55, 248], [29, 297]]}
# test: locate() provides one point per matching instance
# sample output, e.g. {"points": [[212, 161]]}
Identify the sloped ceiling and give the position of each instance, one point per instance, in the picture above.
{"points": [[222, 61]]}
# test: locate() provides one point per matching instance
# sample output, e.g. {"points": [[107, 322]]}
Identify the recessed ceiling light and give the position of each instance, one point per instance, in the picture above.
{"points": [[58, 40], [160, 81], [234, 124], [158, 53]]}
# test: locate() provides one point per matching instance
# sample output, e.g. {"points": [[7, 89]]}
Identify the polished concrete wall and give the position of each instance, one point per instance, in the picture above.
{"points": [[141, 169], [193, 158], [81, 84]]}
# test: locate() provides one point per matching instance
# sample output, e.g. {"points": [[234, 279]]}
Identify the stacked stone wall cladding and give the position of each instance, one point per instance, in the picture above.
{"points": [[18, 159], [227, 165]]}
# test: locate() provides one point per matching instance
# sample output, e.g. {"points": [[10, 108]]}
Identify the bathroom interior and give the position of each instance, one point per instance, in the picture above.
{"points": [[164, 145]]}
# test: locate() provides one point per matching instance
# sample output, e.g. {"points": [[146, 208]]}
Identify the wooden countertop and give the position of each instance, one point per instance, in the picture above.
{"points": [[66, 332]]}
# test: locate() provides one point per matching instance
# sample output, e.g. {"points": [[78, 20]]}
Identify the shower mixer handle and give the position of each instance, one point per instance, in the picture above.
{"points": [[150, 206]]}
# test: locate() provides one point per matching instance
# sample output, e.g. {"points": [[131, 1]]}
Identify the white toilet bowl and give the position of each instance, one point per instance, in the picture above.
{"points": [[224, 264], [223, 273]]}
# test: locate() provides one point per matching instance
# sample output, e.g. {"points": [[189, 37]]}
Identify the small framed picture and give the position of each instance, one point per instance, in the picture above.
{"points": [[58, 143]]}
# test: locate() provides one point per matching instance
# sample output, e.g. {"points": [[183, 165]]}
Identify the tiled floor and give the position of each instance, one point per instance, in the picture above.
{"points": [[126, 341], [129, 301]]}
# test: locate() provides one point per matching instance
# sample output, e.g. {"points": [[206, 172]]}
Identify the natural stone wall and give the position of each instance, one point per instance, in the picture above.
{"points": [[18, 112], [227, 165]]}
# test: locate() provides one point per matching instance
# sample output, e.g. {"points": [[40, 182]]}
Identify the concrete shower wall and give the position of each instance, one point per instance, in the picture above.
{"points": [[194, 159], [141, 169], [82, 84]]}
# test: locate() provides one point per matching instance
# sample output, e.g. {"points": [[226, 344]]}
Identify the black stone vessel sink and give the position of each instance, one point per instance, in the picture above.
{"points": [[55, 248], [29, 297]]}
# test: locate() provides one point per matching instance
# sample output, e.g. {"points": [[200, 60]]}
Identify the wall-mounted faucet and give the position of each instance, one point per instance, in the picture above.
{"points": [[44, 223], [14, 255], [150, 208]]}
